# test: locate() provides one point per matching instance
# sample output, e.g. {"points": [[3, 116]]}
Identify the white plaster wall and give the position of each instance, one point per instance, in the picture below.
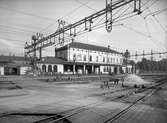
{"points": [[101, 69], [94, 55], [23, 70], [112, 69], [60, 68], [1, 70]]}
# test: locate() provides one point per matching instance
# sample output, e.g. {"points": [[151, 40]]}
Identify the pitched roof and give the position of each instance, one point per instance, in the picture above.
{"points": [[11, 58], [89, 47], [52, 60]]}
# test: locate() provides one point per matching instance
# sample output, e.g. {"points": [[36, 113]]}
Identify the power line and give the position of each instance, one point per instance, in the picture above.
{"points": [[149, 5], [15, 32], [141, 33], [156, 12], [163, 28], [25, 13], [121, 14], [15, 28], [146, 25], [22, 41], [86, 5], [74, 10]]}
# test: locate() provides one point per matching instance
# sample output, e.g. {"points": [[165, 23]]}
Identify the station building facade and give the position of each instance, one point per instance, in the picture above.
{"points": [[80, 58]]}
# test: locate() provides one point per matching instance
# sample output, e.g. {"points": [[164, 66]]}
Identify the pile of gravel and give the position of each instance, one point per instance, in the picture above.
{"points": [[134, 79]]}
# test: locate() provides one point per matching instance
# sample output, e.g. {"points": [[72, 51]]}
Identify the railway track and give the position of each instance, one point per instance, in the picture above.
{"points": [[75, 111], [80, 109], [151, 90], [64, 118]]}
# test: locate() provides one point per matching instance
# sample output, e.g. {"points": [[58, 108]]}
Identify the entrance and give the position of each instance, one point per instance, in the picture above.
{"points": [[89, 69], [115, 70], [11, 71]]}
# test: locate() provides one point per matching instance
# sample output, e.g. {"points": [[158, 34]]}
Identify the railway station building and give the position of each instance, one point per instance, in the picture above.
{"points": [[74, 58], [80, 58]]}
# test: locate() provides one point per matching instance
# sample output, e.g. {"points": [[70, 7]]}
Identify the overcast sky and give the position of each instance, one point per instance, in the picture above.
{"points": [[20, 19]]}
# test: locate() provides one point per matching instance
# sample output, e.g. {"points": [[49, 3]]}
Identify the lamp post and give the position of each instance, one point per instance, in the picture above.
{"points": [[74, 59], [126, 55]]}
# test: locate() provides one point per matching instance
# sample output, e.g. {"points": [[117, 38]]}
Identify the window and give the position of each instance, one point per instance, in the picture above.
{"points": [[55, 68], [74, 57], [105, 69], [43, 68], [121, 60], [49, 68], [90, 58], [97, 58], [79, 57], [108, 60], [103, 59], [84, 57]]}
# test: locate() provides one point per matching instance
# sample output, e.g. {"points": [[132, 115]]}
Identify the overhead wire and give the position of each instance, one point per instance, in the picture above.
{"points": [[12, 39], [147, 8], [15, 32], [86, 5], [14, 28], [70, 12], [141, 33], [156, 12], [25, 13], [146, 25], [153, 3]]}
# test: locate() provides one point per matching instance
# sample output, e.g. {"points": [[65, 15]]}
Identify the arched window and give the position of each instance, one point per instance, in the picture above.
{"points": [[55, 68], [49, 68], [43, 68]]}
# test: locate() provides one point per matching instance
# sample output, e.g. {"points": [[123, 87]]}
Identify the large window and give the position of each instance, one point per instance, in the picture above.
{"points": [[49, 68], [43, 68], [55, 68], [79, 57], [97, 59], [84, 57], [108, 60], [103, 59], [90, 58]]}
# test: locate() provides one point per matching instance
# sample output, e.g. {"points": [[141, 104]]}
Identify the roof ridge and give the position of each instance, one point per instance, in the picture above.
{"points": [[91, 46]]}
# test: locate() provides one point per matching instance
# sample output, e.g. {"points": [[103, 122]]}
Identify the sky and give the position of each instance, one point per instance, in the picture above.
{"points": [[20, 19]]}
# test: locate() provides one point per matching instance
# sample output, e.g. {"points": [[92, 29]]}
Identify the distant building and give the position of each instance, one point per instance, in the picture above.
{"points": [[80, 58], [13, 65]]}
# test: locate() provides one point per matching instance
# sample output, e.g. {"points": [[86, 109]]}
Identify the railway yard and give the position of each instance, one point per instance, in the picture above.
{"points": [[39, 100]]}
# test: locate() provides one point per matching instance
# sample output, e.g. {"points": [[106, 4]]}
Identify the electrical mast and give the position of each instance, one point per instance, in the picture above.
{"points": [[64, 33]]}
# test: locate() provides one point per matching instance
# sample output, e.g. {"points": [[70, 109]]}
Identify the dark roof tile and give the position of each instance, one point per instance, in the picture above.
{"points": [[89, 47]]}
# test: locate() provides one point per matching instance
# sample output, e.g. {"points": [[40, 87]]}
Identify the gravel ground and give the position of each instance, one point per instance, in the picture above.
{"points": [[42, 97]]}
